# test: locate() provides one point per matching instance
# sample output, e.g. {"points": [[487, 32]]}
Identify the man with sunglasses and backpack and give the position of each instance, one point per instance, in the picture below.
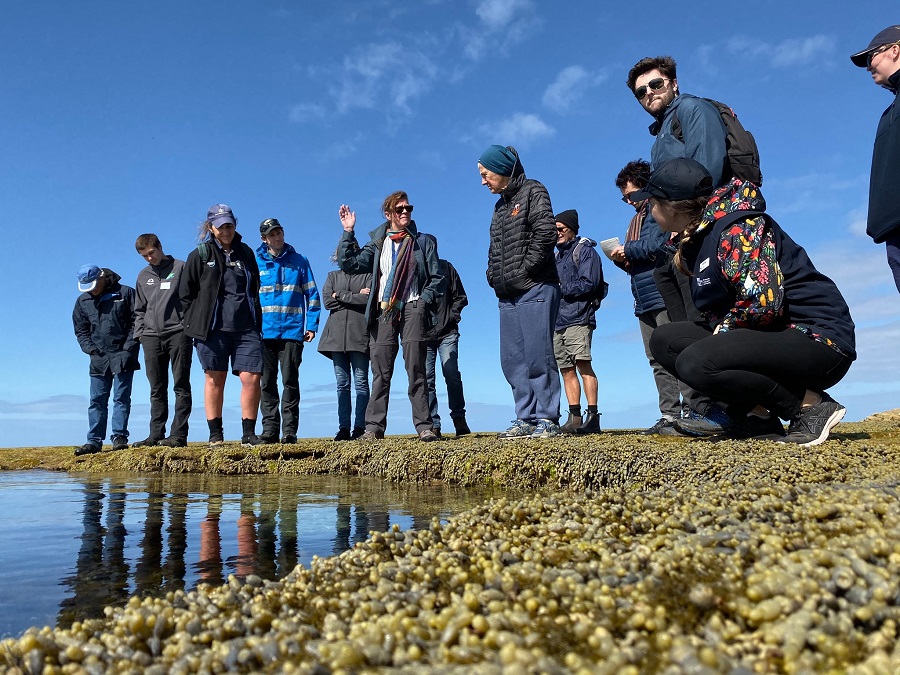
{"points": [[684, 126], [882, 59]]}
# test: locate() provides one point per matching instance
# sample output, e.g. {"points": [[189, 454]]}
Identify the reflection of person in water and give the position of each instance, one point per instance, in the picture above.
{"points": [[148, 572], [287, 527], [101, 574], [210, 563], [246, 538]]}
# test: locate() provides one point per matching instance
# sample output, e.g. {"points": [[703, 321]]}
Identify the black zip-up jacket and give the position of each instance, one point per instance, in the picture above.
{"points": [[200, 282], [104, 327], [157, 309], [523, 237], [884, 195], [449, 306]]}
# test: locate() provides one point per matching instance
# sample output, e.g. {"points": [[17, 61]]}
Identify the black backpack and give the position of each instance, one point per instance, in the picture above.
{"points": [[602, 288], [742, 158]]}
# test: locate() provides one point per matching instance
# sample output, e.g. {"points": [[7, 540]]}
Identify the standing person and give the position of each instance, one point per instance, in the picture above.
{"points": [[406, 279], [290, 317], [219, 293], [637, 256], [159, 328], [580, 276], [104, 327], [779, 331], [522, 271], [345, 340], [882, 59], [654, 83], [444, 341]]}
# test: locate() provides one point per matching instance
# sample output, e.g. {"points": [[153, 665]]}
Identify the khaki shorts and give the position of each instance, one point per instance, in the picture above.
{"points": [[572, 344]]}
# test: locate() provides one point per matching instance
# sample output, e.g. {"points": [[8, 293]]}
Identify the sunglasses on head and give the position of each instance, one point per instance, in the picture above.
{"points": [[655, 84], [406, 208]]}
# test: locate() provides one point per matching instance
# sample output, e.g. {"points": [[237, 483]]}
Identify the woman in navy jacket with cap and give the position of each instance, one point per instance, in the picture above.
{"points": [[779, 332]]}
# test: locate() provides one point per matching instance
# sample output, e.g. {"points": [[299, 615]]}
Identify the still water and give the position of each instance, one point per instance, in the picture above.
{"points": [[71, 544]]}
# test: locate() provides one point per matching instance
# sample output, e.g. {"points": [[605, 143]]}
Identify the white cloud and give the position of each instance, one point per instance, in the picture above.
{"points": [[502, 24], [858, 221], [569, 86], [787, 53], [305, 111], [520, 129]]}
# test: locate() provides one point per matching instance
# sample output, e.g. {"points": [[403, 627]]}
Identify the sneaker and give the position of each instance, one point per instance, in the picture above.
{"points": [[572, 424], [251, 441], [174, 442], [461, 427], [519, 429], [657, 427], [357, 433], [815, 422], [146, 443], [268, 438], [372, 435], [753, 426], [427, 435], [591, 424], [545, 429], [119, 442], [88, 449], [716, 421], [343, 434], [216, 439], [672, 430], [289, 439]]}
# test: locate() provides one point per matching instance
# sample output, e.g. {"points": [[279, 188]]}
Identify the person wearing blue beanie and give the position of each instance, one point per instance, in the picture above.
{"points": [[522, 272]]}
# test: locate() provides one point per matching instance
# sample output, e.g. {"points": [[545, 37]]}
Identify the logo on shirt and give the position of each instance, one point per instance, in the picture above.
{"points": [[515, 210], [151, 281], [211, 263], [704, 281], [704, 265]]}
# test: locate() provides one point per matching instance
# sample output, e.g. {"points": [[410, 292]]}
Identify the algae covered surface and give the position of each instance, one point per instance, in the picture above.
{"points": [[627, 554]]}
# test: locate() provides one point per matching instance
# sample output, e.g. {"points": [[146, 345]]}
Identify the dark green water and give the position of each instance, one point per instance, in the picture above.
{"points": [[71, 544]]}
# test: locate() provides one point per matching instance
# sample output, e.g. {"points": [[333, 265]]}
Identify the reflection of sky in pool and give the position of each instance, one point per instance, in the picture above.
{"points": [[70, 544]]}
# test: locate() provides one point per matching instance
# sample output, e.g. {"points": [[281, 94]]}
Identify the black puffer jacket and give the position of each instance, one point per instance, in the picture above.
{"points": [[523, 237]]}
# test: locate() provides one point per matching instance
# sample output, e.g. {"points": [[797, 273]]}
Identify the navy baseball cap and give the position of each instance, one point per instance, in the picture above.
{"points": [[219, 214], [675, 179], [87, 277], [889, 36]]}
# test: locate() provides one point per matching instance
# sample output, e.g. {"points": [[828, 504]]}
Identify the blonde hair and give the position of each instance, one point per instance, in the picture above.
{"points": [[694, 208]]}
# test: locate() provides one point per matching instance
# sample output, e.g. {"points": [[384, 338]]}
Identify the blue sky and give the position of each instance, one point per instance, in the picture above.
{"points": [[118, 118]]}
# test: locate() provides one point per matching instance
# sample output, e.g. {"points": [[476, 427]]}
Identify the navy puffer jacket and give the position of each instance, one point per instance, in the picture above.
{"points": [[523, 236], [641, 256]]}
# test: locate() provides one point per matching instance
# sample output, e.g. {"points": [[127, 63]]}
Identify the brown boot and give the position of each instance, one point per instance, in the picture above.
{"points": [[572, 424], [591, 424]]}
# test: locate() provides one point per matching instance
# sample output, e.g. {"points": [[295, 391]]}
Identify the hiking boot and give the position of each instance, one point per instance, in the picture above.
{"points": [[216, 439], [343, 434], [268, 438], [174, 442], [88, 449], [657, 427], [519, 429], [146, 443], [545, 429], [289, 439], [815, 422], [461, 427], [591, 424], [119, 442], [357, 433], [251, 441], [754, 426], [376, 435], [437, 432], [427, 435], [572, 424], [716, 421]]}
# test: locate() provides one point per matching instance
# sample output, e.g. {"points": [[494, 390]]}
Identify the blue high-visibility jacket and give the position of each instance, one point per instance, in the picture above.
{"points": [[288, 294]]}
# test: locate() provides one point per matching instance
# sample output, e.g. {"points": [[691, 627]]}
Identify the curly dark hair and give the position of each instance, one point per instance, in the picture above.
{"points": [[664, 64], [636, 172]]}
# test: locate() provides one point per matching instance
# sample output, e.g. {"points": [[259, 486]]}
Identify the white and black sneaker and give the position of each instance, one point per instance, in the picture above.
{"points": [[815, 422], [519, 429]]}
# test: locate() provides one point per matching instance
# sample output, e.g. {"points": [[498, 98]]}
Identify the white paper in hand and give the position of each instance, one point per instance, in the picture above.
{"points": [[607, 246]]}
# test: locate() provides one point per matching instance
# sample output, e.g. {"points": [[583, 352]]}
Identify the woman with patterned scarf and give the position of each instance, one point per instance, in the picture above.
{"points": [[406, 280]]}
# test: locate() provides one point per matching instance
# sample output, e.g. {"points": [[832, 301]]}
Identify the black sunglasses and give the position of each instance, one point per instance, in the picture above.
{"points": [[627, 198], [875, 53], [406, 208], [655, 84]]}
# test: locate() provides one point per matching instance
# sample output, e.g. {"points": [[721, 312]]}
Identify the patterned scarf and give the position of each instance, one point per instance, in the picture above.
{"points": [[400, 278]]}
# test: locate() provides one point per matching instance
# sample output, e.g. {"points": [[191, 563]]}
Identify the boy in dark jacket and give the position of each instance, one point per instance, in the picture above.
{"points": [[104, 322]]}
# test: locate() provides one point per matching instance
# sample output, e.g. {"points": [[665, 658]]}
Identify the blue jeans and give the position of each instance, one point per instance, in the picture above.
{"points": [[448, 348], [359, 362], [526, 351], [98, 410]]}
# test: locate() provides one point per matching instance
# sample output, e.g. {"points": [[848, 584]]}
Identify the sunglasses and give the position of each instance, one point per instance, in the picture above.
{"points": [[627, 198], [655, 84], [561, 229], [872, 55], [406, 208]]}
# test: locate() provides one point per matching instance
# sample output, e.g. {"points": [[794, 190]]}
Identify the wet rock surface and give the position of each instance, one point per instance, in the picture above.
{"points": [[633, 555]]}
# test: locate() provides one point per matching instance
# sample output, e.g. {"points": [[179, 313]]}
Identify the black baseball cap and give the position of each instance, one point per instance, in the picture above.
{"points": [[268, 225], [889, 36], [675, 179]]}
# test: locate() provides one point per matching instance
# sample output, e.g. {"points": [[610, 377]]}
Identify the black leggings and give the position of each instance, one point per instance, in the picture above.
{"points": [[745, 368]]}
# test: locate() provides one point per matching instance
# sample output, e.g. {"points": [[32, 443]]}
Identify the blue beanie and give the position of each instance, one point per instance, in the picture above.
{"points": [[498, 159]]}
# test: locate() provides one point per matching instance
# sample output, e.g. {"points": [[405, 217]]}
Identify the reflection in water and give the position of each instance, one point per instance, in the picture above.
{"points": [[153, 535]]}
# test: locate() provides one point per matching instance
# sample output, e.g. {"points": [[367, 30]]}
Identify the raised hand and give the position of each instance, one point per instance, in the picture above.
{"points": [[348, 218]]}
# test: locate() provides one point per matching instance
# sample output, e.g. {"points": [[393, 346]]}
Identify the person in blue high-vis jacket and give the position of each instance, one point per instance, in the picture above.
{"points": [[290, 316]]}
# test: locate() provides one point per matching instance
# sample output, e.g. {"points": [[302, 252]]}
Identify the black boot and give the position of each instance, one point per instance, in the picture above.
{"points": [[591, 424], [572, 424], [461, 427]]}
